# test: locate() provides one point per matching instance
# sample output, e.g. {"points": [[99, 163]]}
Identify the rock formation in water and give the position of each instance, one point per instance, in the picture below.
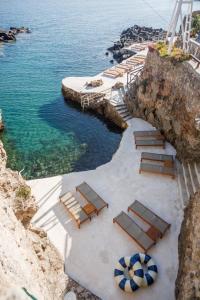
{"points": [[10, 35], [167, 95], [27, 258], [134, 34]]}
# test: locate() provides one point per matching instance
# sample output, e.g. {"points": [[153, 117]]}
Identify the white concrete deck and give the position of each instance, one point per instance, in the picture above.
{"points": [[90, 253]]}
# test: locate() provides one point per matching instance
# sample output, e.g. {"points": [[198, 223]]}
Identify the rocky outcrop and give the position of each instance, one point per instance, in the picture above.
{"points": [[167, 95], [10, 35], [188, 280], [28, 260]]}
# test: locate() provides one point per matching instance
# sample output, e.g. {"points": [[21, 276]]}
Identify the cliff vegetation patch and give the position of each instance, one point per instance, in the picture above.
{"points": [[177, 54]]}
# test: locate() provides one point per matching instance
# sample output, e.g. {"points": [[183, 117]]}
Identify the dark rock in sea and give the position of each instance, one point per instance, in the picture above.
{"points": [[134, 34], [112, 61], [107, 53], [9, 35]]}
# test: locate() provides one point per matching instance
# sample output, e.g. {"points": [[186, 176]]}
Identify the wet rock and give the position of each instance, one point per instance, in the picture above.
{"points": [[134, 34]]}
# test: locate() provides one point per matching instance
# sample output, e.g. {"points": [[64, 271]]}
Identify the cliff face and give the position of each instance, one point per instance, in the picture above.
{"points": [[168, 96], [188, 280], [27, 258]]}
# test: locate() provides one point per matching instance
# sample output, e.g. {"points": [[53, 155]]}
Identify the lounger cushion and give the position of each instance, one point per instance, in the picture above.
{"points": [[145, 167], [130, 227], [74, 207], [91, 196], [150, 217], [149, 142]]}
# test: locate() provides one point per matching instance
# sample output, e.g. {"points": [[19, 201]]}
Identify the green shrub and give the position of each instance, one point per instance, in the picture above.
{"points": [[24, 192]]}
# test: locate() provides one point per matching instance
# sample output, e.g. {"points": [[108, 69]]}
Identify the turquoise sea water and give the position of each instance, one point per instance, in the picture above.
{"points": [[44, 134]]}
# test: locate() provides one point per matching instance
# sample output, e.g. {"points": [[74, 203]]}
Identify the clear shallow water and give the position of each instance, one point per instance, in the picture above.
{"points": [[44, 134]]}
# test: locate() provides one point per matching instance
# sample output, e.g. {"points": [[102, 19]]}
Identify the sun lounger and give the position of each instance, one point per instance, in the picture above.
{"points": [[134, 231], [125, 67], [157, 169], [149, 143], [149, 217], [168, 160], [112, 75], [74, 208], [91, 196], [120, 70], [147, 133]]}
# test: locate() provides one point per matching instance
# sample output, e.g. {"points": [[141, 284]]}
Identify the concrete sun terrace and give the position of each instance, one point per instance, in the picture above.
{"points": [[91, 252], [78, 84]]}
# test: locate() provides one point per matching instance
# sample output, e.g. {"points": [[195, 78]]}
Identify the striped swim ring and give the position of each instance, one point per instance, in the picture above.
{"points": [[152, 270], [122, 276]]}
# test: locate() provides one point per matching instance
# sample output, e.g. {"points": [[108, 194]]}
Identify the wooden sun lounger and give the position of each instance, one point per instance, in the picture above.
{"points": [[120, 70], [147, 133], [125, 67], [149, 217], [168, 160], [74, 208], [112, 75], [134, 231], [91, 196], [157, 169], [149, 143]]}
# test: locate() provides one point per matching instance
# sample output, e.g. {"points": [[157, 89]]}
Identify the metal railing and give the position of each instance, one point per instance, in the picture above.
{"points": [[88, 99]]}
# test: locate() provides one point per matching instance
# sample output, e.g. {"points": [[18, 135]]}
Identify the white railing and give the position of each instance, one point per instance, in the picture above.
{"points": [[131, 76], [194, 49], [89, 99]]}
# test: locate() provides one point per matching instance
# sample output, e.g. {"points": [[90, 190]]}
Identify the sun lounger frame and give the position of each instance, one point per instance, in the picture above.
{"points": [[104, 204], [149, 143], [156, 169], [78, 221], [115, 220], [131, 208]]}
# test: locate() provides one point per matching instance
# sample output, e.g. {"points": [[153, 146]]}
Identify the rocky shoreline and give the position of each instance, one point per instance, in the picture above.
{"points": [[10, 35], [134, 34]]}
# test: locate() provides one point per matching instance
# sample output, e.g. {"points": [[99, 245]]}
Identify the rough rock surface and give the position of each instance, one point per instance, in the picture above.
{"points": [[188, 280], [27, 258], [167, 95]]}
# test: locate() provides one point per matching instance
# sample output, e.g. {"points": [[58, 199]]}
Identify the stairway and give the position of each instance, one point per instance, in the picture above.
{"points": [[188, 180], [117, 101]]}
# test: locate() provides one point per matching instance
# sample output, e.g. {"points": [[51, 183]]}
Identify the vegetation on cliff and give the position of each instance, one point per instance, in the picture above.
{"points": [[177, 54]]}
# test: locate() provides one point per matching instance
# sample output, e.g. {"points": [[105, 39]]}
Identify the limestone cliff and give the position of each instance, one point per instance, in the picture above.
{"points": [[188, 280], [27, 258], [167, 94]]}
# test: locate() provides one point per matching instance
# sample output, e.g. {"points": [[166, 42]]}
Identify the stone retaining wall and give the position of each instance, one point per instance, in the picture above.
{"points": [[105, 108]]}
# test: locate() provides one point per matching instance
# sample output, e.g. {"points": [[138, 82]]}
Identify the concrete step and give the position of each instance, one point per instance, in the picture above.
{"points": [[121, 109], [182, 184], [188, 179], [124, 114], [128, 118], [194, 177]]}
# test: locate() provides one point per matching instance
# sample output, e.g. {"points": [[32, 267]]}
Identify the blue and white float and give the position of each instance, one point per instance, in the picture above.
{"points": [[129, 273], [152, 270], [122, 277]]}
